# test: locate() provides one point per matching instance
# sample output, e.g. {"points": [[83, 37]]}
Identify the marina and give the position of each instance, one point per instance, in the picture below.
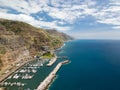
{"points": [[25, 73], [8, 73], [34, 71]]}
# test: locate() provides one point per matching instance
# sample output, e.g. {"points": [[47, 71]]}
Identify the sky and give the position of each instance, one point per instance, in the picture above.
{"points": [[82, 19]]}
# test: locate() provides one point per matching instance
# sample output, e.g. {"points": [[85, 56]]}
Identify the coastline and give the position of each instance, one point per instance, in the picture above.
{"points": [[64, 44], [16, 45], [61, 46], [5, 76], [56, 76]]}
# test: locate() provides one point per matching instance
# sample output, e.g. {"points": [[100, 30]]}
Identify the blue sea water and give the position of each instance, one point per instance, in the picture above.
{"points": [[95, 65]]}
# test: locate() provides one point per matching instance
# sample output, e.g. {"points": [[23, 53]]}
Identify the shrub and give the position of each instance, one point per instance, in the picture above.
{"points": [[2, 50]]}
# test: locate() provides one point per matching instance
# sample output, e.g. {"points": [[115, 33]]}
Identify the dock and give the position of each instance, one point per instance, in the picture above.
{"points": [[52, 61], [43, 85], [5, 76]]}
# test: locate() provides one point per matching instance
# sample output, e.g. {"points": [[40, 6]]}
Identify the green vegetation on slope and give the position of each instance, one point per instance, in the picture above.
{"points": [[48, 55], [2, 50]]}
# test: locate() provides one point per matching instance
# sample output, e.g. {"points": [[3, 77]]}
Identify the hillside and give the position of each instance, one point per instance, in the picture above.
{"points": [[20, 41], [59, 35]]}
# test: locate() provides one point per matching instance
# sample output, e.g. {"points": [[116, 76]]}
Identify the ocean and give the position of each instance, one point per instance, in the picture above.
{"points": [[95, 65]]}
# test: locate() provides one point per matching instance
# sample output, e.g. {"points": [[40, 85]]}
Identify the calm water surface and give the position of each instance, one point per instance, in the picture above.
{"points": [[95, 66]]}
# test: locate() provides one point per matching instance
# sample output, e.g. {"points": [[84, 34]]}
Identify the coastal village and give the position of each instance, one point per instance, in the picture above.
{"points": [[59, 44], [26, 70], [25, 51]]}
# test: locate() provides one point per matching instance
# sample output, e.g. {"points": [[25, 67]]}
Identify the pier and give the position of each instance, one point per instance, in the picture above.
{"points": [[52, 61], [43, 85]]}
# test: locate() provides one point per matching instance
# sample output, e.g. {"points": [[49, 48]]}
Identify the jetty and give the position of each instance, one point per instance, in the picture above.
{"points": [[62, 57], [43, 85], [52, 61]]}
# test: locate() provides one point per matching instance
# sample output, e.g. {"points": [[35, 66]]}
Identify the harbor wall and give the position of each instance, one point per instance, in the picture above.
{"points": [[43, 85]]}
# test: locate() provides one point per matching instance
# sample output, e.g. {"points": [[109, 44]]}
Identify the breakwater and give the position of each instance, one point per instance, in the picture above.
{"points": [[52, 61], [43, 85]]}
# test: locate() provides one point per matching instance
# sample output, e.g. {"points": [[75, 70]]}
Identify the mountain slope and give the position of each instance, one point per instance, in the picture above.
{"points": [[59, 35], [20, 41]]}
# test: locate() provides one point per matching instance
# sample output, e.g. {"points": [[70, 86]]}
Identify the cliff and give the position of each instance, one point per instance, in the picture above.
{"points": [[20, 41]]}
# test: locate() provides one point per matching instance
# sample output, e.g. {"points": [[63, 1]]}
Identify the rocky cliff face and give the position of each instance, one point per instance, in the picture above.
{"points": [[20, 41]]}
